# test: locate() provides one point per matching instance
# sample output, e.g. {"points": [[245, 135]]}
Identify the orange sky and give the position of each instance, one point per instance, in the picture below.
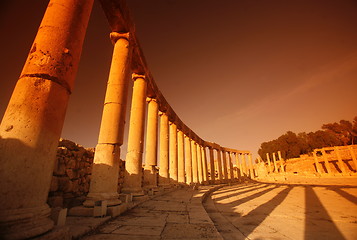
{"points": [[237, 72]]}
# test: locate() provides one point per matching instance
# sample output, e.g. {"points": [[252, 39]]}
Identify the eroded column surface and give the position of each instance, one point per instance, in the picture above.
{"points": [[194, 162], [105, 171], [212, 170], [164, 177], [33, 121], [281, 162], [150, 179], [204, 164], [251, 170], [219, 161], [173, 153], [133, 162], [181, 157], [188, 160], [199, 164], [225, 167]]}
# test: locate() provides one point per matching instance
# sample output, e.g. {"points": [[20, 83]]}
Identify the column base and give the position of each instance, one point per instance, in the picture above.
{"points": [[111, 198], [25, 223]]}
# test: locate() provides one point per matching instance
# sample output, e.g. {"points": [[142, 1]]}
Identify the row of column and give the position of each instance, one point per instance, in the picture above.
{"points": [[273, 165], [34, 118]]}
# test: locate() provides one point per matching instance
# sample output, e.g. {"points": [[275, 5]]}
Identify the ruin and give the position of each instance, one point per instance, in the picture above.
{"points": [[97, 182]]}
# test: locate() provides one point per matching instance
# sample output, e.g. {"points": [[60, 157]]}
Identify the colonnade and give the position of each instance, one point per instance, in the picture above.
{"points": [[32, 124], [275, 165]]}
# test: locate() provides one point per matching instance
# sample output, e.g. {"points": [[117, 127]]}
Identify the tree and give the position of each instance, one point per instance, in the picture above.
{"points": [[342, 130]]}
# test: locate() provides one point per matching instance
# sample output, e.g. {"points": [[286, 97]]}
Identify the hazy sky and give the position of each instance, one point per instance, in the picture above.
{"points": [[237, 72]]}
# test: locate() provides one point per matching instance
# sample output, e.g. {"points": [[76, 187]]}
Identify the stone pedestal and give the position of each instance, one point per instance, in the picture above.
{"points": [[133, 161], [105, 172], [164, 177], [33, 121]]}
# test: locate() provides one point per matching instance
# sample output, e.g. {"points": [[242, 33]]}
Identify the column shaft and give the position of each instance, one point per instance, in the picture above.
{"points": [[212, 170], [204, 164], [188, 160], [340, 162], [133, 161], [251, 170], [199, 164], [164, 177], [181, 157], [194, 162], [173, 153], [231, 172], [281, 162], [275, 166], [269, 164], [353, 156], [244, 162], [241, 165], [327, 165], [150, 179], [316, 162], [219, 161], [225, 168], [105, 171], [33, 121]]}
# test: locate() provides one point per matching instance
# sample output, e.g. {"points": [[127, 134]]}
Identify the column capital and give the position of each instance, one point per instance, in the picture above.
{"points": [[149, 99], [115, 36], [135, 76]]}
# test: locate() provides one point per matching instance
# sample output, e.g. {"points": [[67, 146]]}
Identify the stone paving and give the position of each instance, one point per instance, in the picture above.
{"points": [[277, 211], [176, 215]]}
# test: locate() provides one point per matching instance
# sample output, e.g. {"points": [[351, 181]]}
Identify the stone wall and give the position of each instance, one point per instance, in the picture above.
{"points": [[72, 175]]}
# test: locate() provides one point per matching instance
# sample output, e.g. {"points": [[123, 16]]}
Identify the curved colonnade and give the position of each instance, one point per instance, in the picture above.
{"points": [[33, 121]]}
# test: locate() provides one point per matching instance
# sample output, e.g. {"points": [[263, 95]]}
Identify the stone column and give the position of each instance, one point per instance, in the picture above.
{"points": [[231, 171], [236, 174], [33, 121], [244, 162], [199, 164], [211, 160], [219, 161], [173, 153], [281, 162], [316, 162], [353, 156], [327, 165], [194, 162], [340, 162], [224, 163], [269, 163], [188, 160], [251, 171], [164, 177], [133, 162], [150, 179], [204, 165], [275, 166], [105, 171], [241, 165], [181, 157]]}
